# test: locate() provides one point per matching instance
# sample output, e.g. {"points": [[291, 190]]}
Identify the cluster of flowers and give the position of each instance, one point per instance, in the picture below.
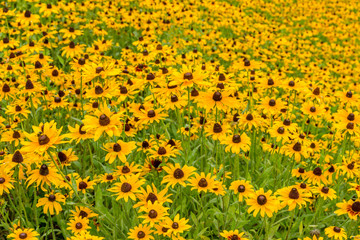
{"points": [[115, 115]]}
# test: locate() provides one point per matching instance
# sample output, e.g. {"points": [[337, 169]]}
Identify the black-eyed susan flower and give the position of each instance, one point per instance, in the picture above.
{"points": [[51, 203], [154, 213], [177, 174], [120, 150], [178, 225], [44, 175], [78, 225], [334, 232], [263, 202], [293, 197], [202, 182], [6, 181], [232, 235], [83, 212], [127, 187], [351, 208], [44, 137], [141, 232], [84, 184], [24, 233], [237, 142], [127, 169], [103, 121], [150, 193], [243, 188]]}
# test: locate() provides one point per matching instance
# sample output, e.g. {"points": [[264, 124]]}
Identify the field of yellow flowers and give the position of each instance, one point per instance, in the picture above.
{"points": [[181, 119]]}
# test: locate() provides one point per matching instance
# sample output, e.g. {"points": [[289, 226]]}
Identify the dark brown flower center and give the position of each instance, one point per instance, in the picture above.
{"points": [[351, 166], [140, 234], [281, 130], [356, 206], [123, 90], [174, 98], [291, 83], [303, 185], [241, 188], [159, 47], [83, 214], [151, 114], [43, 139], [178, 173], [316, 91], [145, 144], [188, 76], [349, 94], [297, 147], [337, 229], [217, 128], [161, 151], [2, 180], [294, 194], [126, 187], [317, 171], [351, 117], [234, 237], [286, 122], [272, 102], [16, 134], [249, 117], [236, 138], [5, 88], [98, 90], [270, 82], [27, 14], [203, 183], [82, 185], [175, 225], [23, 235], [150, 76], [62, 156], [99, 70], [51, 198], [350, 126], [80, 129], [78, 225], [325, 190], [151, 197], [17, 157], [81, 61], [164, 229], [194, 93], [153, 213], [313, 109], [117, 147], [109, 177], [125, 169], [301, 170], [29, 85], [217, 96], [57, 99], [104, 120], [261, 200], [55, 73], [247, 63], [44, 170]]}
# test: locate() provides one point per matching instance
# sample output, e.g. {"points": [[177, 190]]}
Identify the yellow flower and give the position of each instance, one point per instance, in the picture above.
{"points": [[119, 149], [262, 202], [51, 202]]}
